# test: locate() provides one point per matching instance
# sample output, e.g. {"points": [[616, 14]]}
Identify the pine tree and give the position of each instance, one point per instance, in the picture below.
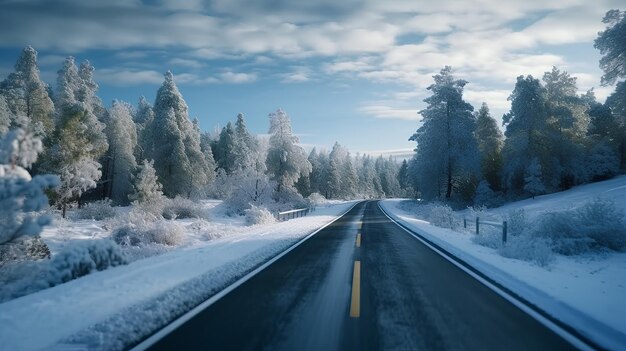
{"points": [[286, 161], [225, 149], [79, 136], [147, 189], [143, 122], [490, 142], [122, 136], [533, 182], [27, 96], [617, 103], [179, 161], [6, 116], [526, 128], [335, 160], [446, 151], [610, 42], [349, 178]]}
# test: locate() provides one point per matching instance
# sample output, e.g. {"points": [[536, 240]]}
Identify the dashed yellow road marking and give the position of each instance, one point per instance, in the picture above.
{"points": [[355, 305], [358, 240]]}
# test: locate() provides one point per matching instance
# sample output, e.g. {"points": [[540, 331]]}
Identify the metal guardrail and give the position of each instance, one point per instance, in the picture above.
{"points": [[300, 212], [502, 225]]}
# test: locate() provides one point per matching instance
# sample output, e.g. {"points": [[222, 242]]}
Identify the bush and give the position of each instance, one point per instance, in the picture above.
{"points": [[180, 208], [97, 210], [317, 199], [517, 222], [85, 257], [442, 216], [527, 248], [142, 232], [77, 259], [259, 215], [597, 225], [23, 249]]}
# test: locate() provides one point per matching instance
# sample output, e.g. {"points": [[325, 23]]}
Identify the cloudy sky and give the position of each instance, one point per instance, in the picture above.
{"points": [[345, 70]]}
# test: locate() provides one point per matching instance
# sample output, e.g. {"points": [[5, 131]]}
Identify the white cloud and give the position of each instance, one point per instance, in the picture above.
{"points": [[381, 111], [181, 62], [123, 77], [238, 78]]}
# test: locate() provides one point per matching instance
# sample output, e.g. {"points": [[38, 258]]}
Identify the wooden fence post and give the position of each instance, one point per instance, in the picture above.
{"points": [[477, 225]]}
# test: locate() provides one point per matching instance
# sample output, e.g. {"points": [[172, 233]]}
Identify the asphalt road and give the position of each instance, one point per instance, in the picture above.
{"points": [[403, 296]]}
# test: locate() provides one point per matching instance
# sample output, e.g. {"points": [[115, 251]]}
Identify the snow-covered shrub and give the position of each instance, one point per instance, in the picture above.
{"points": [[181, 208], [600, 220], [442, 216], [489, 238], [602, 162], [97, 210], [85, 257], [77, 259], [528, 248], [148, 196], [249, 190], [23, 248], [141, 231], [259, 215], [596, 225], [517, 223], [317, 199]]}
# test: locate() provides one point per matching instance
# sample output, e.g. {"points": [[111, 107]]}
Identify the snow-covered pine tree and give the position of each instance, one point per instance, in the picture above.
{"points": [[27, 96], [610, 43], [79, 136], [5, 116], [490, 141], [617, 103], [286, 161], [568, 122], [335, 163], [225, 149], [179, 161], [20, 195], [122, 135], [147, 189], [533, 183], [143, 121], [349, 178], [526, 128], [446, 151]]}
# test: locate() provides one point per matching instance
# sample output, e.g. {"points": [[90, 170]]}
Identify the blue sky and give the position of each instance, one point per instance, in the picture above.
{"points": [[349, 71]]}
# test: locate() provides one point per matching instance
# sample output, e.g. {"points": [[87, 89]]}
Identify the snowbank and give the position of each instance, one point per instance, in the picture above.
{"points": [[586, 292], [117, 307]]}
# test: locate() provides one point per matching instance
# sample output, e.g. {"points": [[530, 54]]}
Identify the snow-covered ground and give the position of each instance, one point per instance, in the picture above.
{"points": [[587, 292], [119, 306]]}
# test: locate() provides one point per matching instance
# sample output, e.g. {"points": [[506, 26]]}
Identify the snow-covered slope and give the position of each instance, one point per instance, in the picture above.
{"points": [[587, 292], [110, 309]]}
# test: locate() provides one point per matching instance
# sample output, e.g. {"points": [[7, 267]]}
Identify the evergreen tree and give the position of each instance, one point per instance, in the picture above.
{"points": [[316, 172], [349, 178], [143, 122], [617, 103], [147, 189], [526, 127], [333, 182], [403, 176], [490, 142], [286, 161], [122, 136], [568, 121], [446, 152], [6, 116], [533, 182], [179, 161], [225, 149], [27, 96], [612, 47], [79, 136]]}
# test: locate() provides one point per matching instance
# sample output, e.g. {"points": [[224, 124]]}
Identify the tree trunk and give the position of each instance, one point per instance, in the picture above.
{"points": [[64, 207], [449, 185]]}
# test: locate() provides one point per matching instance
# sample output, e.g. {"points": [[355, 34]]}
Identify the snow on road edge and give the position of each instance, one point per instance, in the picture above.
{"points": [[116, 308], [505, 274]]}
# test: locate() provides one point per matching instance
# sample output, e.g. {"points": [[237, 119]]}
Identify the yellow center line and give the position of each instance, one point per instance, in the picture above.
{"points": [[359, 225], [358, 240], [355, 306]]}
